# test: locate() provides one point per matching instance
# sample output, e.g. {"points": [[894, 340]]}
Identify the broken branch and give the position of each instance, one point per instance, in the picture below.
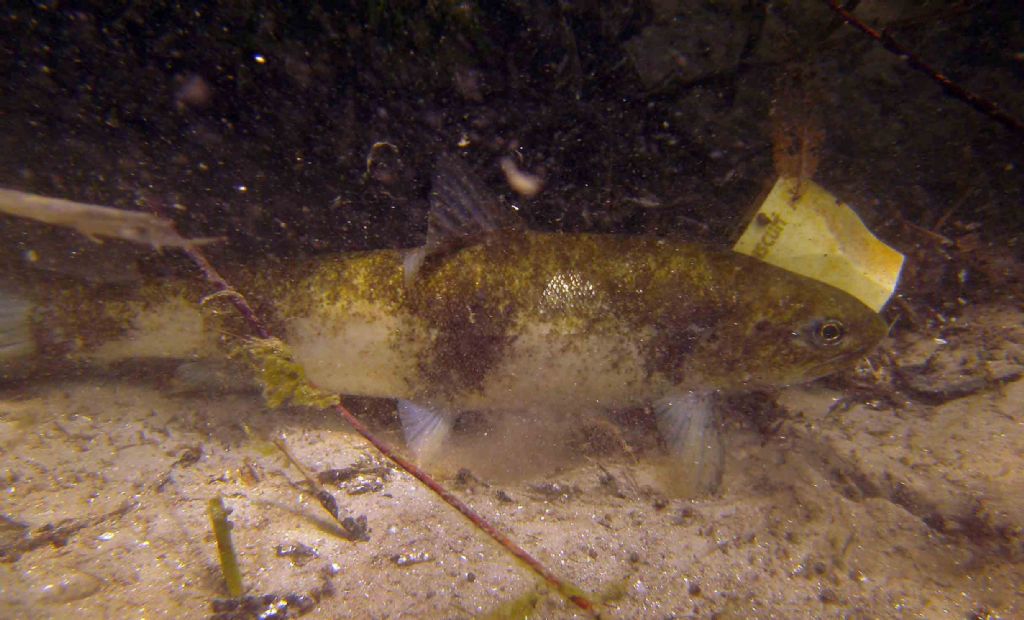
{"points": [[979, 103], [95, 221]]}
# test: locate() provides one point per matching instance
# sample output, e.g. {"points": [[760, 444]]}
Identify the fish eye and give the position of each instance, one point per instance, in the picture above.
{"points": [[829, 332]]}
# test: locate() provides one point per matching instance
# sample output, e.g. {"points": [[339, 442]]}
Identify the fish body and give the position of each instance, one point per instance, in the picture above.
{"points": [[566, 321], [489, 316]]}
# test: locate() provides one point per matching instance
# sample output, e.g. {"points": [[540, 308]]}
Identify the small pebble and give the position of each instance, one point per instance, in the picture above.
{"points": [[75, 586], [363, 484], [298, 553], [408, 559], [827, 595]]}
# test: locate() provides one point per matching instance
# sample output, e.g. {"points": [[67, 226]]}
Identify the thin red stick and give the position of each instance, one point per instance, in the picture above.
{"points": [[983, 105], [211, 274], [237, 300]]}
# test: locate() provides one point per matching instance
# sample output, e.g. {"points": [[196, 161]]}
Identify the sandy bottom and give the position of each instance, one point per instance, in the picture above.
{"points": [[908, 504]]}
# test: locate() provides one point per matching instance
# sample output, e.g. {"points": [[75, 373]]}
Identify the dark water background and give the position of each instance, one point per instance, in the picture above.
{"points": [[620, 106]]}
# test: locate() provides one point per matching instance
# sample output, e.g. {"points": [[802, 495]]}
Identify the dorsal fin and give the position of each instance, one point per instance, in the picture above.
{"points": [[461, 206], [462, 211]]}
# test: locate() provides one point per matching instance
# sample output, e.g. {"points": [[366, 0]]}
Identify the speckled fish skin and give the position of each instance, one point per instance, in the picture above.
{"points": [[567, 320]]}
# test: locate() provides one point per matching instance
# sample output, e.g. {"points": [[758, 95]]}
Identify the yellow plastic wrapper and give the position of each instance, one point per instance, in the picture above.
{"points": [[805, 229]]}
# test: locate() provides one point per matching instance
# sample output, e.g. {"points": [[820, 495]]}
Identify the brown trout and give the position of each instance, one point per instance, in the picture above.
{"points": [[490, 317]]}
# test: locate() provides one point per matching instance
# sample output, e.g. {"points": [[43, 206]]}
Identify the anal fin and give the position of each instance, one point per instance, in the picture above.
{"points": [[425, 428], [688, 424]]}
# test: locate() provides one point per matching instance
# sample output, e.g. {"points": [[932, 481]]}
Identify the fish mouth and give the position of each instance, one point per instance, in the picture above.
{"points": [[805, 374], [832, 365]]}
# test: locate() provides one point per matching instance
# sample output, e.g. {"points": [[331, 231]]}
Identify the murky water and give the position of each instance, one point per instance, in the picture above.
{"points": [[129, 397]]}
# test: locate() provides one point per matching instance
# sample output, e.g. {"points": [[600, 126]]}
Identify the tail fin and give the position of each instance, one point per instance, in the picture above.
{"points": [[16, 341]]}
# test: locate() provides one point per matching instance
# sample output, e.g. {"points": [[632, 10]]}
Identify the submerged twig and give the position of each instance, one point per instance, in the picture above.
{"points": [[95, 221], [237, 300], [225, 548], [976, 101], [567, 590], [354, 528]]}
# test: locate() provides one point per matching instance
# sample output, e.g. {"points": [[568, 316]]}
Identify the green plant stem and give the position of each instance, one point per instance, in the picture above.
{"points": [[225, 548]]}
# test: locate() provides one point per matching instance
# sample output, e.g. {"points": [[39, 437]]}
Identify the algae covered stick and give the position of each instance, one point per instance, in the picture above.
{"points": [[225, 548], [567, 590]]}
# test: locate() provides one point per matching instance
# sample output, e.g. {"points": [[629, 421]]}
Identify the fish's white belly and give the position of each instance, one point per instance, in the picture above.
{"points": [[360, 354], [371, 353]]}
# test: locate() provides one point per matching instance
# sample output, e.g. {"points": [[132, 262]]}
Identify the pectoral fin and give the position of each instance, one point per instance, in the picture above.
{"points": [[425, 428], [688, 425]]}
